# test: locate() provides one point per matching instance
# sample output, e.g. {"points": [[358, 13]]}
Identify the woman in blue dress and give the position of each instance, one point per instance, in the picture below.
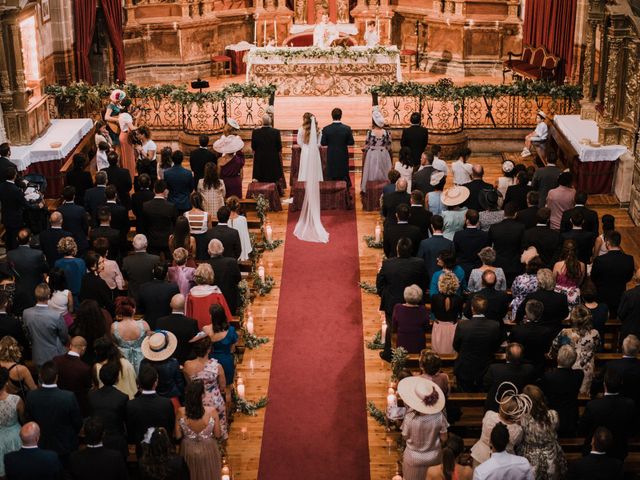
{"points": [[11, 407], [223, 338], [74, 268], [128, 332]]}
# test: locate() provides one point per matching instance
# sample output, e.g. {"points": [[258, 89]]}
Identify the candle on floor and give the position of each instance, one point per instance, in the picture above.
{"points": [[269, 233], [225, 468], [243, 433], [252, 366], [378, 233], [250, 326], [240, 387], [261, 271], [383, 330]]}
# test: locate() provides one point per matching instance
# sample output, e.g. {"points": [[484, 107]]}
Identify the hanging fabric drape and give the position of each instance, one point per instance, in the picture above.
{"points": [[85, 20], [113, 15]]}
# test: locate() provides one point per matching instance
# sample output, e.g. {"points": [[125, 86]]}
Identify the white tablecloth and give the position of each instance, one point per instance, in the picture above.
{"points": [[240, 47], [577, 129], [69, 132]]}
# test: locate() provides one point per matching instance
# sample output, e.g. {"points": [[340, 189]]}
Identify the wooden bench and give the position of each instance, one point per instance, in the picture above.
{"points": [[533, 63]]}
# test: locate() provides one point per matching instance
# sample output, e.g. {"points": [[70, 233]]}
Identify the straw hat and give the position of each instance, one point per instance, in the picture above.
{"points": [[455, 196], [421, 395], [159, 346], [117, 95], [230, 144], [377, 117]]}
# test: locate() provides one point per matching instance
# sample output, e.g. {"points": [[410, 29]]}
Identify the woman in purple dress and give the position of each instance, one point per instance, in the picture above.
{"points": [[411, 320], [230, 145]]}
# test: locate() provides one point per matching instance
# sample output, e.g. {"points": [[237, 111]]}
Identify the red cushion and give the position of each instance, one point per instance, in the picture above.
{"points": [[526, 54], [220, 58]]}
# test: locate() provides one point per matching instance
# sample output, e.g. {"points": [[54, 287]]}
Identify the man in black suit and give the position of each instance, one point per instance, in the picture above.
{"points": [[611, 272], [199, 157], [144, 194], [613, 411], [74, 375], [13, 205], [556, 307], [597, 465], [154, 297], [57, 413], [137, 268], [529, 216], [514, 371], [75, 219], [476, 340], [591, 222], [418, 215], [96, 462], [628, 367], [421, 180], [476, 186], [9, 324], [266, 144], [337, 137], [226, 272], [518, 192], [30, 266], [391, 200], [534, 336], [629, 309], [159, 217], [415, 137], [584, 239], [545, 240], [395, 275], [48, 239], [561, 387], [183, 327], [228, 236], [469, 241], [104, 230], [32, 462], [5, 163], [120, 178], [497, 300], [148, 409], [506, 237], [94, 197], [119, 216], [431, 247], [401, 229]]}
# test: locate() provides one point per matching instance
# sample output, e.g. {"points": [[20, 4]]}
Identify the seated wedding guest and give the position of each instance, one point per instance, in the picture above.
{"points": [[223, 340], [487, 257], [528, 216], [129, 333], [158, 349], [538, 136], [415, 138], [12, 414], [597, 465], [561, 199], [514, 371], [239, 222], [179, 182], [227, 274], [179, 273], [50, 237], [461, 169], [57, 413], [230, 146], [556, 307], [393, 176], [569, 273], [158, 460], [78, 177], [46, 328], [469, 241], [183, 327], [447, 263], [599, 248], [165, 163], [540, 442], [611, 272], [410, 321], [438, 163], [137, 267], [61, 297], [94, 287], [431, 369], [198, 224], [401, 229], [213, 191], [431, 247], [200, 157], [104, 230], [74, 268], [102, 134], [391, 200], [451, 466], [181, 238], [561, 387], [629, 309], [404, 166], [518, 192], [535, 337], [20, 380], [506, 237], [203, 295], [149, 148], [96, 461], [507, 179], [155, 296], [110, 271], [525, 283], [74, 375], [584, 238], [159, 216], [95, 197], [90, 323], [424, 427], [230, 237], [503, 465], [419, 216], [107, 353], [110, 405], [446, 308], [454, 215], [32, 462]]}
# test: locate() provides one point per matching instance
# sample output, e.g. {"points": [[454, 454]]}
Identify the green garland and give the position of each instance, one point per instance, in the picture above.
{"points": [[262, 207], [252, 341], [245, 298], [340, 52], [265, 287], [368, 287], [376, 342], [377, 414], [371, 242], [247, 407], [398, 361], [270, 246]]}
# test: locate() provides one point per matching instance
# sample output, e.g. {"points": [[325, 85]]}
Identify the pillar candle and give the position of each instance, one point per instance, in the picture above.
{"points": [[269, 233], [378, 233], [378, 26], [250, 326], [391, 400], [240, 387], [261, 272], [225, 477], [383, 330]]}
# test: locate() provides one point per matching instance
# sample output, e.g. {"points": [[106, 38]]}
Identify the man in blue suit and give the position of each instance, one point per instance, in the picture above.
{"points": [[31, 462], [431, 247], [74, 219], [337, 137], [180, 183]]}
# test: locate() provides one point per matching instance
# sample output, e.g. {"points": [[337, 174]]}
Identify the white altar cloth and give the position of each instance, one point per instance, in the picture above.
{"points": [[345, 28], [69, 132], [576, 129]]}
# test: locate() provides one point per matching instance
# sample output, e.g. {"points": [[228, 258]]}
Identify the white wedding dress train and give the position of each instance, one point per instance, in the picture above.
{"points": [[309, 227]]}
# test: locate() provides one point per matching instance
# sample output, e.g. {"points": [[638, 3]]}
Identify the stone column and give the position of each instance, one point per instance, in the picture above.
{"points": [[19, 97]]}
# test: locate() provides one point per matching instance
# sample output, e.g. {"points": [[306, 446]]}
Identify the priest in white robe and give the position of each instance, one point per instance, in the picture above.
{"points": [[324, 33]]}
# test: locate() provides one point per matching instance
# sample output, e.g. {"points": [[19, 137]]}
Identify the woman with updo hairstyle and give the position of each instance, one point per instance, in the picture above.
{"points": [[198, 224], [165, 162], [446, 307], [179, 273], [453, 466], [608, 225], [107, 352], [487, 257], [20, 380], [239, 222], [203, 295], [128, 333], [159, 461], [74, 268], [223, 338], [410, 321]]}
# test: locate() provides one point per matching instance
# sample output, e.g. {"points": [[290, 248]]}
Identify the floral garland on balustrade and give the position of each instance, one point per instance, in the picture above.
{"points": [[340, 52], [247, 407]]}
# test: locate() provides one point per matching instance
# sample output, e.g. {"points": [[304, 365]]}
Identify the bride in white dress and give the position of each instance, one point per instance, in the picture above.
{"points": [[309, 227], [303, 142]]}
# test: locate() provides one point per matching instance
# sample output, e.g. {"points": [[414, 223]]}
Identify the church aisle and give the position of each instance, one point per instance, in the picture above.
{"points": [[315, 424]]}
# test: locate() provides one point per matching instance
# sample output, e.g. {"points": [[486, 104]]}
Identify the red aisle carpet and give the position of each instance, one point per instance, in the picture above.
{"points": [[315, 424]]}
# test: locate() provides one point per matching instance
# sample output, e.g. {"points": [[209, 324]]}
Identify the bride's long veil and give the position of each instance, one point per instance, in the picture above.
{"points": [[309, 227]]}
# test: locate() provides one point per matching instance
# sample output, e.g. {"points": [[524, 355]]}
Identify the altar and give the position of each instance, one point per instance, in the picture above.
{"points": [[314, 71]]}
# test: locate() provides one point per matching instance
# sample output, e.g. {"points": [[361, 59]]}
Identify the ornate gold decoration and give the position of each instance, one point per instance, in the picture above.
{"points": [[343, 11], [611, 88], [587, 78], [301, 11], [630, 106]]}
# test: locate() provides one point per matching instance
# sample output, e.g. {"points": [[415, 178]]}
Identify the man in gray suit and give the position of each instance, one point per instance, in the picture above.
{"points": [[546, 178], [46, 327], [137, 268]]}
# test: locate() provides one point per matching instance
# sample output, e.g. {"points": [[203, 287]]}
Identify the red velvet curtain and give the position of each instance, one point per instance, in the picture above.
{"points": [[85, 21], [551, 23], [113, 15]]}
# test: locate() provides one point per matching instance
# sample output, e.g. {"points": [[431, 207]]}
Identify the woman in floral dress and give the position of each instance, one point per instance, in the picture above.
{"points": [[377, 159], [525, 284]]}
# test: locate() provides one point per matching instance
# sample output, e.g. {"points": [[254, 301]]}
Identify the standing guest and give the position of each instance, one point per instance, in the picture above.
{"points": [[421, 180], [424, 427], [534, 336], [200, 157], [227, 274], [198, 224], [20, 379], [431, 369], [159, 217], [410, 321], [404, 165], [584, 239], [629, 368], [469, 241], [599, 311], [229, 237], [74, 375], [391, 200], [57, 413], [5, 163], [95, 197], [158, 349], [529, 216], [13, 205], [203, 295], [110, 271], [102, 158], [49, 238], [96, 461], [213, 191], [371, 37], [108, 354], [401, 229], [89, 323], [611, 272], [144, 194], [31, 462], [446, 307], [561, 387], [461, 169], [230, 146], [11, 411], [419, 216], [94, 287], [337, 137], [519, 191], [476, 186], [266, 144], [108, 233], [181, 238], [546, 178], [447, 263], [119, 216], [30, 266], [415, 138], [487, 257], [179, 273], [506, 238], [438, 163], [137, 268], [78, 177], [597, 465], [154, 296], [498, 300], [508, 414], [239, 222], [431, 247], [454, 215], [120, 178], [184, 328], [452, 466], [393, 176], [166, 162], [158, 461], [590, 216], [556, 307], [503, 465], [377, 152], [180, 183], [223, 340], [74, 218], [608, 225], [547, 242], [46, 328], [525, 283], [102, 134], [540, 443], [128, 333], [198, 426], [147, 153], [569, 273], [126, 121], [514, 372], [490, 213], [561, 199], [538, 136]]}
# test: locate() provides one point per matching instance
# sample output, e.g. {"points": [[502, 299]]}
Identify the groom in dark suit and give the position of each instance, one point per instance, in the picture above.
{"points": [[337, 137]]}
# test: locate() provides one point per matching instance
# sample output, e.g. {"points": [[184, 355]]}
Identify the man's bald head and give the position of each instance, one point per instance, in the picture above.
{"points": [[30, 434], [78, 344], [401, 185], [24, 236], [477, 171], [266, 120], [489, 279], [177, 302], [56, 219]]}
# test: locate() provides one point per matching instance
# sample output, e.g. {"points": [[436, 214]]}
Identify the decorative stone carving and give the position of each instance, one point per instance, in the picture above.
{"points": [[343, 11], [301, 11], [587, 78], [612, 79], [630, 106]]}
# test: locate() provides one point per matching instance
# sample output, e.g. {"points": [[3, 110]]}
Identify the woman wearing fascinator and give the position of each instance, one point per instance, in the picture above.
{"points": [[377, 158]]}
